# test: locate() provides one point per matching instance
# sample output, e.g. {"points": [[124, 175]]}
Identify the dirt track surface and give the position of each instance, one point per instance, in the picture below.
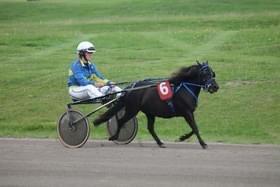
{"points": [[25, 162]]}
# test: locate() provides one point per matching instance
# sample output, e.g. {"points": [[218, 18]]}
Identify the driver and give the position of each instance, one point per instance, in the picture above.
{"points": [[85, 81]]}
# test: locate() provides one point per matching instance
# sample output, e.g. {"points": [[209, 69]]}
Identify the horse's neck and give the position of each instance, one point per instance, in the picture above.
{"points": [[196, 90], [177, 81], [185, 74]]}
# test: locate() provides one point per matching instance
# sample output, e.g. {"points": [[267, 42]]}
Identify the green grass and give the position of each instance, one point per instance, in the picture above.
{"points": [[140, 39]]}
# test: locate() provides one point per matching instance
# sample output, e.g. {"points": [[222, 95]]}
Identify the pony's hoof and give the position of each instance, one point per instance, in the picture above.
{"points": [[96, 122], [162, 145], [204, 146], [112, 138]]}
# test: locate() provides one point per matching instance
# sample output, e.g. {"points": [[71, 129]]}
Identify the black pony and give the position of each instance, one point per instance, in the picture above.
{"points": [[186, 85]]}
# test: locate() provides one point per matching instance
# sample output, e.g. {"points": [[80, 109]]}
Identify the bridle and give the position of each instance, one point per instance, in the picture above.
{"points": [[190, 87], [209, 81]]}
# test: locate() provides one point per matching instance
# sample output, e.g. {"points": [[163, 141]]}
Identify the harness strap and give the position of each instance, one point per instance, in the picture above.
{"points": [[190, 91], [186, 86]]}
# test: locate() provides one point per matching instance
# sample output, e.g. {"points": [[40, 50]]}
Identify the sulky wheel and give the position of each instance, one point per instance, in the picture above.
{"points": [[127, 132], [73, 135]]}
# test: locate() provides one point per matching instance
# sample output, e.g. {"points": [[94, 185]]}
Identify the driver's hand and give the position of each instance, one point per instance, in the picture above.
{"points": [[112, 83], [99, 84]]}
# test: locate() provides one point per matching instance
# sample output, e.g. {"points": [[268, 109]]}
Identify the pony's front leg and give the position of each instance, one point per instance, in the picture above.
{"points": [[151, 122], [189, 117]]}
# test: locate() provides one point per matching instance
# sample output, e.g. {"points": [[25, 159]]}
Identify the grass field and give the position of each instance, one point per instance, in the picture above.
{"points": [[137, 39]]}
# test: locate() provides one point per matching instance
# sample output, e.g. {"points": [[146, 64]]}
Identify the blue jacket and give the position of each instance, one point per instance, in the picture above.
{"points": [[81, 74]]}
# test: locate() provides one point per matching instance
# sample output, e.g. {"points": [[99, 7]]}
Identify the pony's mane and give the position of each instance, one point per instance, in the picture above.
{"points": [[184, 73]]}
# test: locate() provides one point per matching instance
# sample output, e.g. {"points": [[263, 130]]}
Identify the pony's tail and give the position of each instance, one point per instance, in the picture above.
{"points": [[109, 113]]}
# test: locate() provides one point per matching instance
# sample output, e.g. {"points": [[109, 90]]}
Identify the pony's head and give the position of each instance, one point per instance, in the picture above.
{"points": [[206, 77], [200, 74]]}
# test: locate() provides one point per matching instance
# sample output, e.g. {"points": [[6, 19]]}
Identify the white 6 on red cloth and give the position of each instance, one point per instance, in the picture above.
{"points": [[164, 90]]}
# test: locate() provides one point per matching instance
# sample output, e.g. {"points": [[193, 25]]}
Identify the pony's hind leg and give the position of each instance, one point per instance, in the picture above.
{"points": [[190, 119], [151, 122], [109, 113], [126, 117]]}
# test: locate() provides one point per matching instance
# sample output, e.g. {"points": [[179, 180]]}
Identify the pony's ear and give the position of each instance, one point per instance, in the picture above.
{"points": [[207, 62], [198, 63]]}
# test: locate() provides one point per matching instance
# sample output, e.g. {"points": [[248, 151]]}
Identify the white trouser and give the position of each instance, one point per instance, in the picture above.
{"points": [[90, 91]]}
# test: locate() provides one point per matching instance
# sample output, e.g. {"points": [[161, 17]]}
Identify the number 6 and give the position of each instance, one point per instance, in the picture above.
{"points": [[163, 88]]}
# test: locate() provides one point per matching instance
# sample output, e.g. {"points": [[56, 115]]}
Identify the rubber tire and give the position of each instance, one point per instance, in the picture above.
{"points": [[73, 137]]}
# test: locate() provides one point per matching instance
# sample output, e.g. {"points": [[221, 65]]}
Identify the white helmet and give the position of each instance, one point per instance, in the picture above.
{"points": [[86, 46]]}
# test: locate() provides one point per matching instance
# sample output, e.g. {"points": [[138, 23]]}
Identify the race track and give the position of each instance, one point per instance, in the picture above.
{"points": [[29, 162]]}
